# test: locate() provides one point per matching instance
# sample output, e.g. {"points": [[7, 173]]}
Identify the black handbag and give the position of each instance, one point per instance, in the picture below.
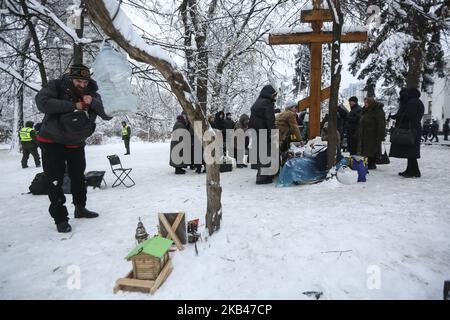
{"points": [[383, 158], [404, 137]]}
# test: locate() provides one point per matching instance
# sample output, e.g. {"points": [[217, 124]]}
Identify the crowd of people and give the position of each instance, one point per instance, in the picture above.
{"points": [[360, 131]]}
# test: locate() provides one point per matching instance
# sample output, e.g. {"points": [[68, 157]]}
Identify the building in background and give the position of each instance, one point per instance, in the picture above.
{"points": [[437, 103], [354, 89]]}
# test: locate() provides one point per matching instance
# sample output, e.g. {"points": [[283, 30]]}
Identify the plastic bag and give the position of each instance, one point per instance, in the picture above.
{"points": [[346, 175], [300, 170], [112, 73]]}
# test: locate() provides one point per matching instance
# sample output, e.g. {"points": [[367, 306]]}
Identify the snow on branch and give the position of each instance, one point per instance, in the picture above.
{"points": [[124, 25], [299, 29], [39, 8], [17, 76]]}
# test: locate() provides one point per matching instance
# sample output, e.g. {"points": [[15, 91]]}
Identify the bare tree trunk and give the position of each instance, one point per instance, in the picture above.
{"points": [[416, 53], [180, 87], [31, 22], [78, 47], [15, 132], [188, 51], [336, 67]]}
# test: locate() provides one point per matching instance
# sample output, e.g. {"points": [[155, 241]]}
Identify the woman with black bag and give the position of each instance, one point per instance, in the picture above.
{"points": [[405, 138]]}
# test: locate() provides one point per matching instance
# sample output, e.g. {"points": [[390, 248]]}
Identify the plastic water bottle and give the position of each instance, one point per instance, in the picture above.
{"points": [[112, 73]]}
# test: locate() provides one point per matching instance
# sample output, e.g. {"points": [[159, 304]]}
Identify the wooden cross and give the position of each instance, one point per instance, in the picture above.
{"points": [[315, 38], [172, 229]]}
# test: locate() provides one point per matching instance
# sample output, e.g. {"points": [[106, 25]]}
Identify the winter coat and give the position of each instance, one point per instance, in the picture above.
{"points": [[371, 130], [352, 127], [128, 135], [59, 97], [434, 128], [242, 124], [426, 129], [229, 124], [179, 124], [286, 123], [408, 116], [29, 144], [262, 112], [219, 123], [263, 117]]}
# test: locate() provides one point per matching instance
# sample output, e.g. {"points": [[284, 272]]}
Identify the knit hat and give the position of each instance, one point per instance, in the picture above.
{"points": [[354, 99], [79, 71]]}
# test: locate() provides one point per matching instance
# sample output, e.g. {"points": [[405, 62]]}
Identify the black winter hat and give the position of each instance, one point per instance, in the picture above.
{"points": [[79, 71]]}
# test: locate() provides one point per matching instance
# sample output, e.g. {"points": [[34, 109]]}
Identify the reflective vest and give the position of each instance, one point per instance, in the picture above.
{"points": [[25, 134], [125, 131]]}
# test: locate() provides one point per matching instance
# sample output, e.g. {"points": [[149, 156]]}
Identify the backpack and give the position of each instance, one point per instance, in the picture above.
{"points": [[39, 185]]}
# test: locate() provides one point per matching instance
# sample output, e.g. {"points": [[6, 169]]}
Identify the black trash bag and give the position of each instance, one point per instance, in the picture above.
{"points": [[39, 185]]}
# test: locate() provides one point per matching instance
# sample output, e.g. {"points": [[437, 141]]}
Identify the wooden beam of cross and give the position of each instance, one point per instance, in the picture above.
{"points": [[315, 38], [306, 102]]}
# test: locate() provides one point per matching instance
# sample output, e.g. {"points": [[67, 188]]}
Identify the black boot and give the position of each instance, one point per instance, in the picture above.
{"points": [[82, 212], [63, 227], [180, 171], [199, 169]]}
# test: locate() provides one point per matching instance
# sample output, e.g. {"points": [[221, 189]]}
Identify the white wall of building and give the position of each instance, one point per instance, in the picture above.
{"points": [[437, 104]]}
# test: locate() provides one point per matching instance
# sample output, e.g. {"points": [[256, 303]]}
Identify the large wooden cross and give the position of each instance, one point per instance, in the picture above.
{"points": [[315, 38]]}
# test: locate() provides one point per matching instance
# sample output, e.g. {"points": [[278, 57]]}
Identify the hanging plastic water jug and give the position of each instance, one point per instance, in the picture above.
{"points": [[112, 73]]}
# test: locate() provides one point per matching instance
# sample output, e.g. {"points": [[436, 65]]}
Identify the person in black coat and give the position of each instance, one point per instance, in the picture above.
{"points": [[434, 131], [446, 129], [71, 105], [352, 125], [371, 131], [263, 117], [220, 124], [180, 124], [426, 131], [409, 116]]}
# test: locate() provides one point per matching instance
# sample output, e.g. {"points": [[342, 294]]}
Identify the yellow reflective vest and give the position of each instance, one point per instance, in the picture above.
{"points": [[25, 134], [125, 131]]}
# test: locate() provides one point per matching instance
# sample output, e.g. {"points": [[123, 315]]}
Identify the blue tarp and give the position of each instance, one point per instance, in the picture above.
{"points": [[301, 170], [306, 170]]}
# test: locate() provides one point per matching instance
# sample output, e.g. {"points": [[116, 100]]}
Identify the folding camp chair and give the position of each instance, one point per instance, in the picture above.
{"points": [[114, 160]]}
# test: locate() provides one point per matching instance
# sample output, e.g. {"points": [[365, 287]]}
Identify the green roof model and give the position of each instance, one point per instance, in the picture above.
{"points": [[156, 246]]}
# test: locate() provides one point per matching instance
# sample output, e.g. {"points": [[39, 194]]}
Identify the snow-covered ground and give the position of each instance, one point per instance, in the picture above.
{"points": [[388, 238]]}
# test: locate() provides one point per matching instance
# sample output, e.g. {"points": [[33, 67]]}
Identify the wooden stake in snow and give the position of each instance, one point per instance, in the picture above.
{"points": [[315, 38]]}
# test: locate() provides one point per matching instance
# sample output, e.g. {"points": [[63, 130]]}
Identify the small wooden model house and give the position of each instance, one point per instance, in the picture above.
{"points": [[149, 258]]}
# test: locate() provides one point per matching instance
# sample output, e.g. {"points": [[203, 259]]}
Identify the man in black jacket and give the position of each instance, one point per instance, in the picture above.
{"points": [[263, 117], [71, 105]]}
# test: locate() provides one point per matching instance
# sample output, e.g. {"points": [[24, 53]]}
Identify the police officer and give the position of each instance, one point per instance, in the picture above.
{"points": [[27, 137], [126, 134]]}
